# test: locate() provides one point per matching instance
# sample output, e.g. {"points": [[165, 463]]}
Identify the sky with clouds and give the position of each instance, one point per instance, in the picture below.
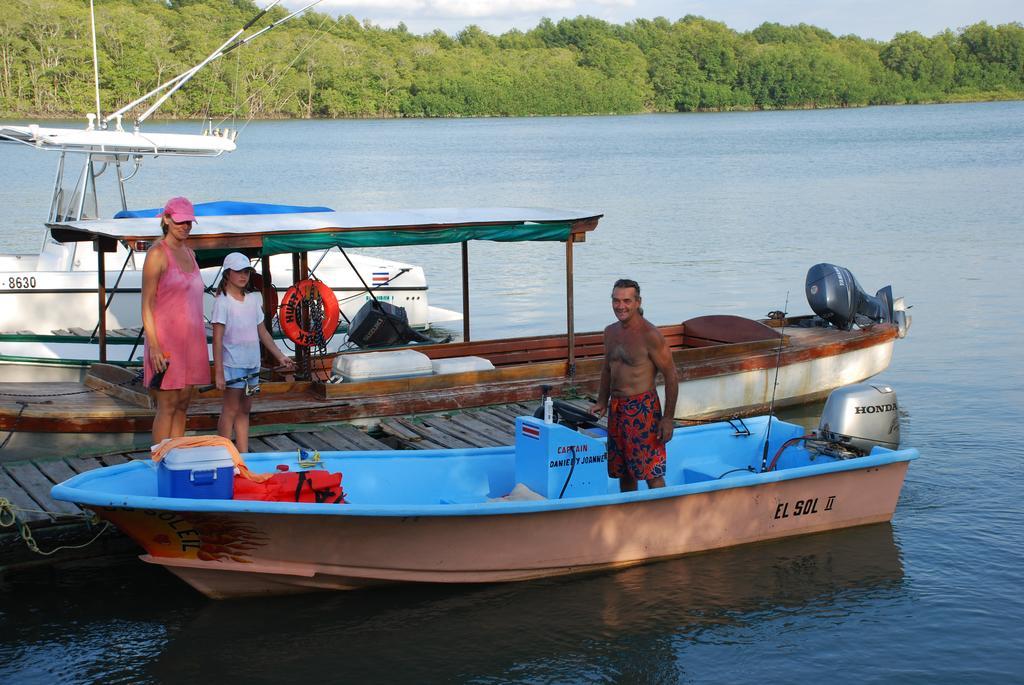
{"points": [[879, 19]]}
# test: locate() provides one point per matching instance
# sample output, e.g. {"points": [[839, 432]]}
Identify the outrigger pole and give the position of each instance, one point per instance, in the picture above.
{"points": [[184, 78], [226, 47]]}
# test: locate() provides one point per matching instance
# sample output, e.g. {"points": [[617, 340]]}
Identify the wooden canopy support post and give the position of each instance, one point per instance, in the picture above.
{"points": [[465, 291], [300, 271], [569, 314], [268, 287], [101, 290], [102, 246], [269, 298]]}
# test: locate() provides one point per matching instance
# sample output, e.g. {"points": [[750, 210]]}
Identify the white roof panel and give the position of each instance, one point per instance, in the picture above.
{"points": [[117, 142]]}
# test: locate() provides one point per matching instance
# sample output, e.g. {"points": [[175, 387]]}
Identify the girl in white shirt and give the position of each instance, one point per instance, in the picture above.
{"points": [[238, 331]]}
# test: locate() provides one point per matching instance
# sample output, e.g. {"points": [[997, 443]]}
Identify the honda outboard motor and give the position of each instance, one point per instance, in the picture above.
{"points": [[380, 324], [836, 297], [861, 417]]}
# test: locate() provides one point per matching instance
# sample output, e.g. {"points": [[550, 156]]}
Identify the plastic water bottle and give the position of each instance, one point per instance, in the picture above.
{"points": [[549, 410]]}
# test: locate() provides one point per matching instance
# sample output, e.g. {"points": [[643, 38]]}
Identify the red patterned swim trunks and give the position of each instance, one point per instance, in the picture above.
{"points": [[633, 446]]}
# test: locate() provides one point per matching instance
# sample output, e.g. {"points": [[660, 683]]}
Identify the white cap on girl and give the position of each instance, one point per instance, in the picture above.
{"points": [[236, 261]]}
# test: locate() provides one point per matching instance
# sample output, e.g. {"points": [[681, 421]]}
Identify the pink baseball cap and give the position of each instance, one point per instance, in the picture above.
{"points": [[179, 209]]}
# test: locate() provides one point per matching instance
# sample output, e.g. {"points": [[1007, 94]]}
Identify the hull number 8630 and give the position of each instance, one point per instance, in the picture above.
{"points": [[21, 282]]}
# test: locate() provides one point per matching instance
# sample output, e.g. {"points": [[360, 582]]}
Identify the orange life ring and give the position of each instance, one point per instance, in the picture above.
{"points": [[290, 314]]}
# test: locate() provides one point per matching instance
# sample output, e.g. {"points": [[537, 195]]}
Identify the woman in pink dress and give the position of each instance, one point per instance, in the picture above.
{"points": [[176, 356]]}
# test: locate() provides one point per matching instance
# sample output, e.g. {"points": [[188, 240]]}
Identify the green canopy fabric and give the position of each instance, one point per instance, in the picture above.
{"points": [[280, 244]]}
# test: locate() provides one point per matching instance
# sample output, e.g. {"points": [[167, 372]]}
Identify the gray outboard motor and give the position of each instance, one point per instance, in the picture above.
{"points": [[836, 297], [861, 417]]}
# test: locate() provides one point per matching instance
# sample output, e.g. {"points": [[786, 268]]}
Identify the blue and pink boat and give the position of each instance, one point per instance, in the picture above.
{"points": [[542, 507]]}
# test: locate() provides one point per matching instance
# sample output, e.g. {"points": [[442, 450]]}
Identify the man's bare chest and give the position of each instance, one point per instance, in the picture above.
{"points": [[622, 352]]}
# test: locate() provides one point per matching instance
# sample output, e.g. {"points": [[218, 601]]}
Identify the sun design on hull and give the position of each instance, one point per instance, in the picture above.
{"points": [[188, 535], [227, 540]]}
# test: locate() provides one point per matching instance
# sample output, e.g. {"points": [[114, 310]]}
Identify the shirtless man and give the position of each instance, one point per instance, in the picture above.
{"points": [[635, 351]]}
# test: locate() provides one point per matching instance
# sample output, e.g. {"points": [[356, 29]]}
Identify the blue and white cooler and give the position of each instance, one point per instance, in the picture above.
{"points": [[197, 473]]}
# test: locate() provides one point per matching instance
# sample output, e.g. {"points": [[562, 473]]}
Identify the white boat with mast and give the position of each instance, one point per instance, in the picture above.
{"points": [[54, 300]]}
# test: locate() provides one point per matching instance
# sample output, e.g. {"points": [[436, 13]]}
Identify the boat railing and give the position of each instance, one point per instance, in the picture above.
{"points": [[710, 339], [535, 348]]}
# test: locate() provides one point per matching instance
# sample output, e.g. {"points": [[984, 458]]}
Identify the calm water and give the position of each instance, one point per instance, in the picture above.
{"points": [[721, 212]]}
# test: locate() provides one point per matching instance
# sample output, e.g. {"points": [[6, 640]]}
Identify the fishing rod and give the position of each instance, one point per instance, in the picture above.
{"points": [[226, 47], [187, 76], [248, 377], [775, 385], [189, 72]]}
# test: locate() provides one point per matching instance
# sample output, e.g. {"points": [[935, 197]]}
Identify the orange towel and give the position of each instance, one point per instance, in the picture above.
{"points": [[210, 441]]}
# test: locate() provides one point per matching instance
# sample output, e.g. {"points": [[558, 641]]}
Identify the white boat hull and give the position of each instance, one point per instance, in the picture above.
{"points": [[46, 301], [806, 381]]}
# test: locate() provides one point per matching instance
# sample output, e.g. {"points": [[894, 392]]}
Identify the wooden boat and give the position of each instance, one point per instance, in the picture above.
{"points": [[726, 364], [504, 513]]}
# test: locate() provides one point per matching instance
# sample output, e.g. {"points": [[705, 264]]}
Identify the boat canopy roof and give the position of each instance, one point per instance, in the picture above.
{"points": [[292, 231], [116, 141], [225, 208]]}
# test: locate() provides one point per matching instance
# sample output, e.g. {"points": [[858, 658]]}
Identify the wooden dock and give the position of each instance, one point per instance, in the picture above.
{"points": [[26, 484]]}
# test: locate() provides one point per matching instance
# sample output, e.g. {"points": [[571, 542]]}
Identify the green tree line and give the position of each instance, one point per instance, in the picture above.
{"points": [[321, 66]]}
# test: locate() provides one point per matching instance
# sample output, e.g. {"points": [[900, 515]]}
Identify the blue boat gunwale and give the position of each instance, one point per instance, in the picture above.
{"points": [[72, 490]]}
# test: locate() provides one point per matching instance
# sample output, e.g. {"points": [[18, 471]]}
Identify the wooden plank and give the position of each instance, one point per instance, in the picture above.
{"points": [[56, 470], [145, 455], [466, 434], [407, 437], [504, 414], [436, 436], [336, 440], [395, 429], [359, 437], [523, 408], [495, 436], [498, 436], [24, 504], [496, 413], [133, 394], [281, 443], [114, 459], [494, 419], [313, 441], [83, 464], [32, 480], [257, 445]]}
